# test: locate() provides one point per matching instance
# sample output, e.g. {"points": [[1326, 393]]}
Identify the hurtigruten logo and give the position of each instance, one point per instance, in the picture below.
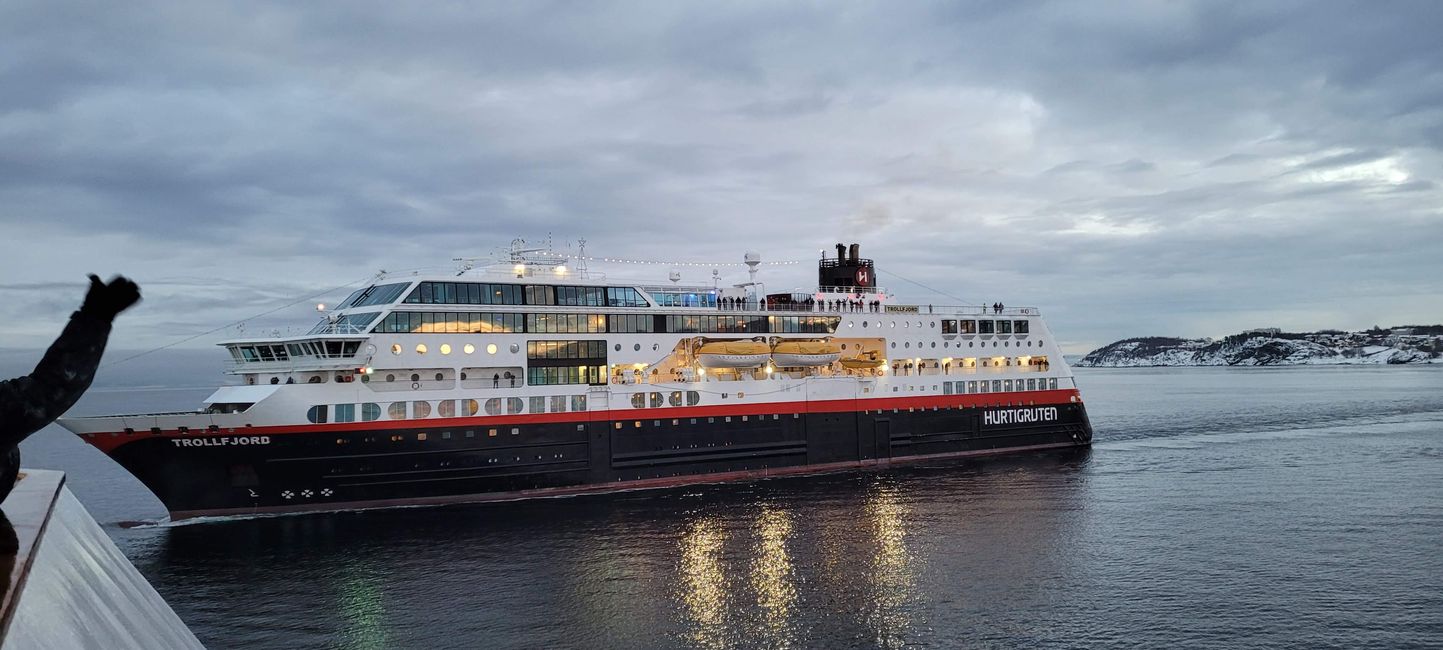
{"points": [[1020, 416]]}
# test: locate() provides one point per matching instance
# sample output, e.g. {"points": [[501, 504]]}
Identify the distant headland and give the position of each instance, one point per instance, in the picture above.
{"points": [[1271, 347]]}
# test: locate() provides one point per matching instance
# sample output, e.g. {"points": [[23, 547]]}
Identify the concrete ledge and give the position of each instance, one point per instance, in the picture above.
{"points": [[67, 585]]}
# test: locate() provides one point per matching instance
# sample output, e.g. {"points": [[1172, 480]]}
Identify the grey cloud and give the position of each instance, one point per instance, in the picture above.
{"points": [[1123, 165]]}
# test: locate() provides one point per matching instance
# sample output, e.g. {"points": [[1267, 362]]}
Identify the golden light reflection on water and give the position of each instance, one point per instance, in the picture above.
{"points": [[703, 583], [773, 578], [893, 579]]}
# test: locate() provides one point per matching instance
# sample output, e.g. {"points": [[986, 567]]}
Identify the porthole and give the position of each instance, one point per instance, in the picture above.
{"points": [[415, 377], [849, 324], [440, 376], [864, 326], [395, 348], [908, 344], [894, 324], [969, 344], [636, 347], [844, 346], [445, 348], [468, 348], [934, 344], [894, 345], [906, 325], [390, 377], [490, 348], [420, 348], [463, 376], [618, 347], [515, 348], [932, 324]]}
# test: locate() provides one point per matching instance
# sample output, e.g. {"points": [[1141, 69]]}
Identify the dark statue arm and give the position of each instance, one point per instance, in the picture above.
{"points": [[29, 403]]}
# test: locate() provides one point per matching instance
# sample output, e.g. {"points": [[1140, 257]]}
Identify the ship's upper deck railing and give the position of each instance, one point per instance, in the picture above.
{"points": [[873, 307]]}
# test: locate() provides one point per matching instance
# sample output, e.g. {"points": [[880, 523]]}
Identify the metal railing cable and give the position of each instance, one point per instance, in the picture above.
{"points": [[231, 324]]}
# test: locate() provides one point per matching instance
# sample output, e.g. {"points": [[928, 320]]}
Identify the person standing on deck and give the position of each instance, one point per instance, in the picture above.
{"points": [[29, 403]]}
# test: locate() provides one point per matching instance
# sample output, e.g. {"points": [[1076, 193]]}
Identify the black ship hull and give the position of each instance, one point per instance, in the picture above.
{"points": [[382, 464]]}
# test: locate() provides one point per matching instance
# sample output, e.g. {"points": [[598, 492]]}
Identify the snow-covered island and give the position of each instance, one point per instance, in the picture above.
{"points": [[1271, 347]]}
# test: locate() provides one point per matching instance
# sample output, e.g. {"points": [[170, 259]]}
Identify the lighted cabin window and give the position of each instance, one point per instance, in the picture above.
{"points": [[558, 404], [415, 322], [396, 411], [537, 405], [986, 327], [804, 324], [967, 326], [638, 400], [949, 326], [578, 402], [565, 350], [1019, 326], [562, 375], [566, 323]]}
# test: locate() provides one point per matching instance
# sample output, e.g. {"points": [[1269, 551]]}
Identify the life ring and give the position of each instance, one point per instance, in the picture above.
{"points": [[415, 385]]}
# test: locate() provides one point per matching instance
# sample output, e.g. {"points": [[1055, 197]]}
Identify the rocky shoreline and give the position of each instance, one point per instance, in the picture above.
{"points": [[1399, 345]]}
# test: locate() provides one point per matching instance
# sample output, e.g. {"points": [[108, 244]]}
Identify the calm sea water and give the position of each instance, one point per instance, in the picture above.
{"points": [[1219, 507]]}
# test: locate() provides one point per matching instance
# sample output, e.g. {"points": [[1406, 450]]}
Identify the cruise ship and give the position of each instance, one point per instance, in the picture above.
{"points": [[530, 377]]}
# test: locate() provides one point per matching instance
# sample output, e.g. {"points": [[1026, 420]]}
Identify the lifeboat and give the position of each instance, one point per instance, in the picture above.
{"points": [[733, 354], [793, 354], [864, 361]]}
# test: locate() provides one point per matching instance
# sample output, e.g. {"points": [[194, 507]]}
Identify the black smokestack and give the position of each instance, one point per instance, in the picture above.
{"points": [[856, 252], [841, 252]]}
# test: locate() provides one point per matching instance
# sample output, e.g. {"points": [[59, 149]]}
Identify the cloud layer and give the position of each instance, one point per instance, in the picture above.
{"points": [[1132, 168]]}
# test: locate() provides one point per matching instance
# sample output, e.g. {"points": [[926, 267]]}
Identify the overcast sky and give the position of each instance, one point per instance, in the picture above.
{"points": [[1153, 168]]}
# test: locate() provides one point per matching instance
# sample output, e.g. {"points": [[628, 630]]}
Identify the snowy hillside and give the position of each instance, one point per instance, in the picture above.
{"points": [[1272, 348]]}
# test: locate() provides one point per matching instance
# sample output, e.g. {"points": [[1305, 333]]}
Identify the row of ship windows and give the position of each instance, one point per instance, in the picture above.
{"points": [[447, 408], [996, 386], [946, 344], [447, 322], [950, 326], [483, 293]]}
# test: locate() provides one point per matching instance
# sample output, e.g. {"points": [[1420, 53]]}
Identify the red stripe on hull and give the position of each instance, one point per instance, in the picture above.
{"points": [[619, 486], [107, 442]]}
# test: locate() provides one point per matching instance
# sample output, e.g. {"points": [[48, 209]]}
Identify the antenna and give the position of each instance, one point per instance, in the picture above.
{"points": [[581, 258]]}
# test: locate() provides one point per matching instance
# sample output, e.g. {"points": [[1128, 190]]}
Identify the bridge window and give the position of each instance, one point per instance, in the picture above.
{"points": [[967, 326], [1019, 326], [986, 327], [624, 297], [1004, 327]]}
